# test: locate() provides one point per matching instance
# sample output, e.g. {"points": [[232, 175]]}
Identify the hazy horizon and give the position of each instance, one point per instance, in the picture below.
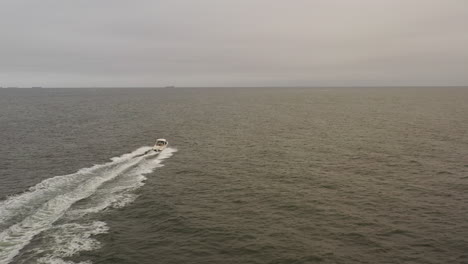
{"points": [[227, 87], [243, 43]]}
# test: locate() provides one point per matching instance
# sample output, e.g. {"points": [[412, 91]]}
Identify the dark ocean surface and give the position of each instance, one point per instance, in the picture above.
{"points": [[263, 175]]}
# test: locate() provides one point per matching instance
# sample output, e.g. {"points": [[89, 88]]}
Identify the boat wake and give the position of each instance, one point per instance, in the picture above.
{"points": [[55, 208]]}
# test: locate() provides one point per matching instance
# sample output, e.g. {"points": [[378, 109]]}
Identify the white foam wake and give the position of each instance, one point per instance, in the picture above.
{"points": [[22, 204], [27, 215], [69, 239]]}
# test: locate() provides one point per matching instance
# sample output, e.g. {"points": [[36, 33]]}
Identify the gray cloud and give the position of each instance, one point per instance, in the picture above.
{"points": [[233, 42]]}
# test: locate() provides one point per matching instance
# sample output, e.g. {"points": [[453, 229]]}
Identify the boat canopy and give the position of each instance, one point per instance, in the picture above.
{"points": [[161, 141]]}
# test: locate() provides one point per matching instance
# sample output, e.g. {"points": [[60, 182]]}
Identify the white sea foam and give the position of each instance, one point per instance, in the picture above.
{"points": [[100, 187], [69, 239], [53, 260], [18, 205]]}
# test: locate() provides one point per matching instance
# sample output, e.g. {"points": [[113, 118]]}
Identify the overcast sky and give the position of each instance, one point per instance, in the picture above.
{"points": [[82, 43]]}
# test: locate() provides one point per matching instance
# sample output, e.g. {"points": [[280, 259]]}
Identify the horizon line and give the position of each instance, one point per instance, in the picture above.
{"points": [[184, 87]]}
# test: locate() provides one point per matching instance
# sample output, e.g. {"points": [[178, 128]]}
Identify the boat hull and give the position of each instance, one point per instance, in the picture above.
{"points": [[159, 148]]}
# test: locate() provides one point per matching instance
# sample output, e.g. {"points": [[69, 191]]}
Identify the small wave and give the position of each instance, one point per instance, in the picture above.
{"points": [[108, 185]]}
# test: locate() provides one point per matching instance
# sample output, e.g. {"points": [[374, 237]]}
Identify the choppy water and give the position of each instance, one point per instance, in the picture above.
{"points": [[265, 175]]}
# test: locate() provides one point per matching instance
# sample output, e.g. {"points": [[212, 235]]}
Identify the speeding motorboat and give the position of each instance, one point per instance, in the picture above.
{"points": [[160, 145]]}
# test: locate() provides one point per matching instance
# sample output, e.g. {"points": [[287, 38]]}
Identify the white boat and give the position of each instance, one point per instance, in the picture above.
{"points": [[160, 145]]}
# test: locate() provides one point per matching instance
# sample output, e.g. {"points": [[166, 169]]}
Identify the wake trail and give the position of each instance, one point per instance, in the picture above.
{"points": [[19, 205], [28, 214]]}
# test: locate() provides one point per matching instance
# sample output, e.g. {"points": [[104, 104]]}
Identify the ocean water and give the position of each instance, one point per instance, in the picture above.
{"points": [[263, 175]]}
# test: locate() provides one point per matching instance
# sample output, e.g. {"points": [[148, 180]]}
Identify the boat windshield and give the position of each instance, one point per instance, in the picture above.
{"points": [[160, 143]]}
